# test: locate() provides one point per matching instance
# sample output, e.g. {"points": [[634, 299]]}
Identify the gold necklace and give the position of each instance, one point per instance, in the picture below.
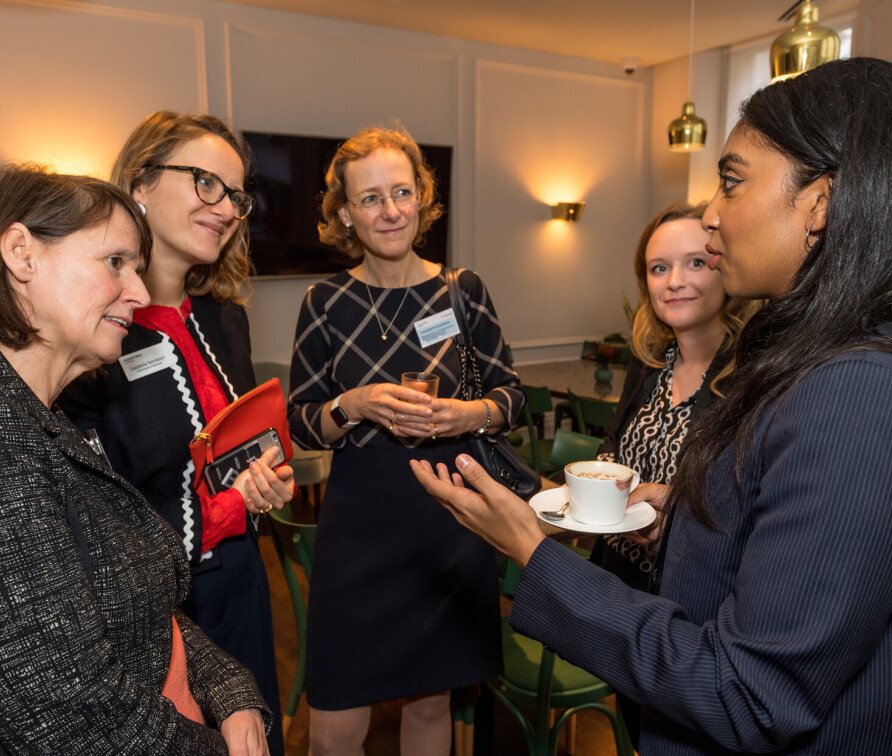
{"points": [[381, 328]]}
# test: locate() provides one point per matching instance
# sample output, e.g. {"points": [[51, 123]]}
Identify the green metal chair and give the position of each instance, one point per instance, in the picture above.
{"points": [[310, 467], [536, 680], [592, 414], [536, 452], [294, 542], [569, 446]]}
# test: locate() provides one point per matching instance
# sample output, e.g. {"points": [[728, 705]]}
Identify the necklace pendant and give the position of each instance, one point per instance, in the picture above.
{"points": [[383, 337]]}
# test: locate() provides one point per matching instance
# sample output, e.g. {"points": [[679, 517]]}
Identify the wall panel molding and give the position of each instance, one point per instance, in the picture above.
{"points": [[132, 14]]}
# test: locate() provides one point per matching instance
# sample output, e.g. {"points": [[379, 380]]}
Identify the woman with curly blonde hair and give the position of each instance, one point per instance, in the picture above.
{"points": [[186, 357]]}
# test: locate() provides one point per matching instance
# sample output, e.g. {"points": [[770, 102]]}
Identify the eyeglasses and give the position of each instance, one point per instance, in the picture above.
{"points": [[210, 189], [372, 204]]}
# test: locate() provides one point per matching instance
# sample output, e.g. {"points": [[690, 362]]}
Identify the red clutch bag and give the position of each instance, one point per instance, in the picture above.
{"points": [[238, 434]]}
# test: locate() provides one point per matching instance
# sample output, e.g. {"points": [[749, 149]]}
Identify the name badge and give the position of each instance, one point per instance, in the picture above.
{"points": [[436, 328], [147, 361]]}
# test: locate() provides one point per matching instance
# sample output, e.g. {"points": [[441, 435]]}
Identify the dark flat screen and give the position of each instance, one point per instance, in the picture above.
{"points": [[289, 181]]}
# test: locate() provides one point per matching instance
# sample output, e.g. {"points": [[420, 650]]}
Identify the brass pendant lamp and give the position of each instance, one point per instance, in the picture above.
{"points": [[688, 133], [803, 47]]}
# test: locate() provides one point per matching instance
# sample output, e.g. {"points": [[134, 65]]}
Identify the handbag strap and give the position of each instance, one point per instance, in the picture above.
{"points": [[471, 382]]}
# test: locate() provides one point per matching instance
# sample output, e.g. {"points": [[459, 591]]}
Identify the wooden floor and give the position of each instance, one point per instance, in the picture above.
{"points": [[593, 733]]}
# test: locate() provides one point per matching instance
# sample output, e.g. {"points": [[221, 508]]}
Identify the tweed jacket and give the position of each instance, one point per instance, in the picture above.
{"points": [[85, 637], [130, 416], [773, 632]]}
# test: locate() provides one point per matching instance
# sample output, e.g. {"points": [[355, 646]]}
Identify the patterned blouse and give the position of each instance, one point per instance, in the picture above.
{"points": [[338, 346], [650, 445]]}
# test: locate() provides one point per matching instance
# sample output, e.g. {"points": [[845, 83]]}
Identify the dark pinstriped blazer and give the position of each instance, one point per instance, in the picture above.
{"points": [[85, 646], [772, 634]]}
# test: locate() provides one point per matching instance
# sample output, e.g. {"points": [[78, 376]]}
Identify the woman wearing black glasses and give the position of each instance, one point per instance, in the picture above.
{"points": [[186, 357]]}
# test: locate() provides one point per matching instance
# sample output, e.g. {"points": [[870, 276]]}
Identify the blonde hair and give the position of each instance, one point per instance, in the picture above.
{"points": [[151, 144], [650, 335], [332, 229]]}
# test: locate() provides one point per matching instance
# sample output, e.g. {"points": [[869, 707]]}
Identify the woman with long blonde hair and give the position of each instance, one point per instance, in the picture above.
{"points": [[186, 357]]}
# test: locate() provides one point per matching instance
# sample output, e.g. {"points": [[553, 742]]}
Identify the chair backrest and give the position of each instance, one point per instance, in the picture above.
{"points": [[592, 412], [570, 446], [538, 402], [513, 573], [294, 542], [297, 539], [263, 371], [538, 399]]}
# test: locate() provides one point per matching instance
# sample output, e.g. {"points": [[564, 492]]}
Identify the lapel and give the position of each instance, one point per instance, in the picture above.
{"points": [[203, 317], [57, 428]]}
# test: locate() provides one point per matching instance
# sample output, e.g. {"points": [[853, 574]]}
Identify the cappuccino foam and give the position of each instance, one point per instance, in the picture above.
{"points": [[597, 475]]}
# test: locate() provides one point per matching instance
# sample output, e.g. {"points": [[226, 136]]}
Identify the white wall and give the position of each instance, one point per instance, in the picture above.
{"points": [[528, 129], [873, 29]]}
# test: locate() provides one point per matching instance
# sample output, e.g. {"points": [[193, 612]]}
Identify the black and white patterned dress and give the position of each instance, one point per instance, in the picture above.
{"points": [[403, 600], [650, 444]]}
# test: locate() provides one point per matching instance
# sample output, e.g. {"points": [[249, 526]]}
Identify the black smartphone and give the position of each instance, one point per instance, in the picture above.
{"points": [[222, 472]]}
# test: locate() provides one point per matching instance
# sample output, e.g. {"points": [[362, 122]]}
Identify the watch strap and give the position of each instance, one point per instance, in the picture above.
{"points": [[339, 416]]}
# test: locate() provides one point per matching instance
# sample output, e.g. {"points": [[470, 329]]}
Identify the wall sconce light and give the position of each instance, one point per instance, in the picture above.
{"points": [[803, 47], [568, 211]]}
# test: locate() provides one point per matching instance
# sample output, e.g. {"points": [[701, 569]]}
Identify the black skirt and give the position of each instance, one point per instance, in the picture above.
{"points": [[403, 599]]}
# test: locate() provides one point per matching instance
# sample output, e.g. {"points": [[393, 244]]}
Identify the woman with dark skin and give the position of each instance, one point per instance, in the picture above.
{"points": [[772, 630], [683, 340]]}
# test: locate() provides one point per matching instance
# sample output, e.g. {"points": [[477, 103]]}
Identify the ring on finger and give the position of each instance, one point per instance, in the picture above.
{"points": [[434, 426]]}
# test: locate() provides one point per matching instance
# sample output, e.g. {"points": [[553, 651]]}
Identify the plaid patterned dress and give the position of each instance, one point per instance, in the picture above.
{"points": [[404, 600]]}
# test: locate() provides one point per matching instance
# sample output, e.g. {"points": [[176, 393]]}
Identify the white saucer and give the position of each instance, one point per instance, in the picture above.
{"points": [[638, 516]]}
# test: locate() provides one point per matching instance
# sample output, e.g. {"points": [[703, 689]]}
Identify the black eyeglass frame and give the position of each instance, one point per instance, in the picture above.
{"points": [[197, 173]]}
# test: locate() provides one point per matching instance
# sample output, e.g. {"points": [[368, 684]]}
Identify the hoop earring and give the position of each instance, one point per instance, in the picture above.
{"points": [[808, 246]]}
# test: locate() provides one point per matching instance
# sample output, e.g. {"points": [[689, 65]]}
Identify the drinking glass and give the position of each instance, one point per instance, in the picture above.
{"points": [[427, 383]]}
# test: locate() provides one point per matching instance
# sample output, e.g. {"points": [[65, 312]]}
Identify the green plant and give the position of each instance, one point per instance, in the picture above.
{"points": [[630, 311]]}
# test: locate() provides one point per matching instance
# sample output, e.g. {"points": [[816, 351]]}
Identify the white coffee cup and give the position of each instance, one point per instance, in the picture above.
{"points": [[598, 491]]}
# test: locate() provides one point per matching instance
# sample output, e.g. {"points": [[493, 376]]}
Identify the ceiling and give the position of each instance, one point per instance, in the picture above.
{"points": [[611, 30]]}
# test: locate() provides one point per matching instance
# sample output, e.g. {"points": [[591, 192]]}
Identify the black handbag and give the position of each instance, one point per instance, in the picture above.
{"points": [[494, 453]]}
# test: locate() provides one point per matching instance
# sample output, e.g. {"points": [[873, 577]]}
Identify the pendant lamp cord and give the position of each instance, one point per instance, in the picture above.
{"points": [[691, 54]]}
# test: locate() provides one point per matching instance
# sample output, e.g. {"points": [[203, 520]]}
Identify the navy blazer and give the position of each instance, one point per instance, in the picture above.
{"points": [[131, 417], [85, 637], [772, 633]]}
